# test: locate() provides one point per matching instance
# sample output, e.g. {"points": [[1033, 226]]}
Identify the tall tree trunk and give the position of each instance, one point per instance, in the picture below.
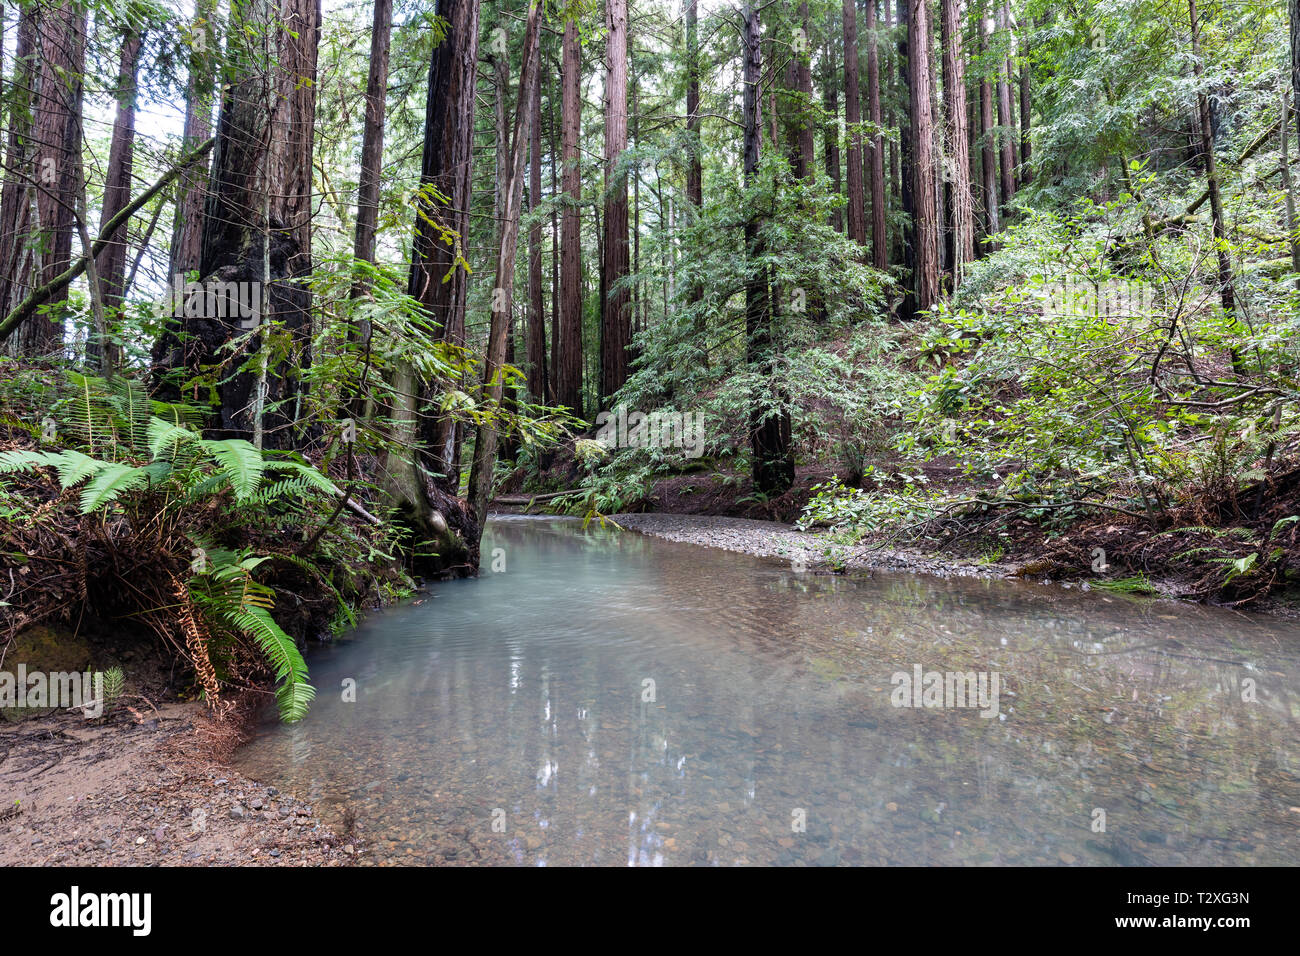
{"points": [[988, 148], [694, 165], [879, 234], [110, 265], [895, 178], [961, 203], [372, 138], [568, 370], [831, 131], [536, 351], [368, 179], [191, 189], [257, 227], [45, 160], [1006, 124], [772, 464], [1026, 148], [803, 148], [439, 278], [616, 330], [907, 147], [1218, 227], [857, 226], [1284, 130], [925, 278], [1293, 18], [486, 436], [554, 163], [19, 190]]}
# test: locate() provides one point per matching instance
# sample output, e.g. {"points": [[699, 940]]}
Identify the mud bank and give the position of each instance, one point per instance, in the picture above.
{"points": [[147, 787]]}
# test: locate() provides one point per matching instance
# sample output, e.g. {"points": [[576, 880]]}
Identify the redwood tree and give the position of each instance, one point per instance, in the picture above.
{"points": [[616, 326], [961, 203], [568, 366], [857, 227]]}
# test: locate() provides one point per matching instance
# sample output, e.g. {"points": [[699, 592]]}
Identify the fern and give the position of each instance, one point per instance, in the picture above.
{"points": [[109, 483], [74, 467], [25, 462], [167, 437], [240, 462], [134, 410], [241, 603], [311, 475], [293, 488]]}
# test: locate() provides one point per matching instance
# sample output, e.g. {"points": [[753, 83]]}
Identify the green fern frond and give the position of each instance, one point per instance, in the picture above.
{"points": [[294, 695], [74, 467], [109, 483], [311, 475], [26, 462], [292, 489], [89, 414], [240, 462], [167, 437], [134, 409]]}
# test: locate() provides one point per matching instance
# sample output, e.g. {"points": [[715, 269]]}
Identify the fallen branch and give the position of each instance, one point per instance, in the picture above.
{"points": [[529, 499]]}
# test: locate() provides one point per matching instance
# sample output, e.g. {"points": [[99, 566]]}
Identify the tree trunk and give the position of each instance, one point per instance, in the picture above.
{"points": [[1293, 17], [372, 139], [191, 190], [857, 226], [1006, 131], [1288, 191], [257, 227], [40, 193], [1026, 148], [536, 351], [486, 435], [988, 149], [772, 464], [554, 163], [439, 278], [895, 177], [368, 182], [616, 330], [1226, 293], [803, 147], [831, 131], [110, 265], [568, 369], [961, 203], [879, 233], [925, 278]]}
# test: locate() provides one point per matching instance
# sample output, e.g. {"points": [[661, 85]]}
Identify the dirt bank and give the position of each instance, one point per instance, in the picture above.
{"points": [[146, 787]]}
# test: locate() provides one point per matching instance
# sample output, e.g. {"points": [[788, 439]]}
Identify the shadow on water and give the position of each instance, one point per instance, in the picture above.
{"points": [[610, 698]]}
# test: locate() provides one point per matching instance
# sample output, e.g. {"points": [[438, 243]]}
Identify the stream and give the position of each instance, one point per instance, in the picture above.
{"points": [[611, 698]]}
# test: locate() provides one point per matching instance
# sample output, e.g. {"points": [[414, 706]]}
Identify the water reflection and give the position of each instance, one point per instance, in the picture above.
{"points": [[625, 700]]}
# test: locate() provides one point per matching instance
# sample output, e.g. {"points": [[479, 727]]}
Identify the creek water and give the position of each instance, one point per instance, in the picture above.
{"points": [[611, 698]]}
